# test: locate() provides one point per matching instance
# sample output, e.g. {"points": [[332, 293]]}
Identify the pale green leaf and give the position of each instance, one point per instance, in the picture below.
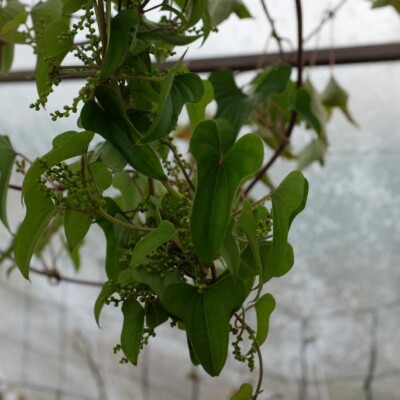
{"points": [[7, 157], [264, 307], [245, 392]]}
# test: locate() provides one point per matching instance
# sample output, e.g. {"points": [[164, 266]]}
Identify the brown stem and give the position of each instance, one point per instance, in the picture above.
{"points": [[299, 82]]}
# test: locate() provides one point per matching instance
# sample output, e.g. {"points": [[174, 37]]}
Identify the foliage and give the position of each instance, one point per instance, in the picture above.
{"points": [[184, 244]]}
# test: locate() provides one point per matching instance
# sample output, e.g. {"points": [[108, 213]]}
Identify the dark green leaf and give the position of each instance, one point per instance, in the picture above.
{"points": [[71, 6], [122, 36], [206, 314], [288, 200], [76, 226], [7, 157], [234, 105], [106, 291], [108, 119], [67, 145], [222, 165], [39, 212], [195, 10], [384, 3], [152, 241], [132, 329], [197, 111], [264, 307], [155, 315], [245, 392]]}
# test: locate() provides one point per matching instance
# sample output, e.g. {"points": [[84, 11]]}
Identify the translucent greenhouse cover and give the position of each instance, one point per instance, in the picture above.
{"points": [[340, 302]]}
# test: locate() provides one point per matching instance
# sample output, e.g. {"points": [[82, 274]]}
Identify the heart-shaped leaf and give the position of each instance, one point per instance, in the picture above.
{"points": [[122, 34], [108, 119], [132, 329], [155, 315], [264, 307], [7, 157], [206, 314], [152, 241], [222, 165], [76, 226]]}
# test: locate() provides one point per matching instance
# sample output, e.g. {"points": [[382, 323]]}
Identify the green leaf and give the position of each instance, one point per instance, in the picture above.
{"points": [[106, 291], [197, 111], [248, 224], [130, 193], [152, 241], [132, 329], [76, 226], [39, 212], [234, 105], [122, 36], [72, 6], [206, 314], [155, 315], [264, 307], [53, 44], [222, 165], [7, 157], [110, 156], [44, 13], [230, 252], [102, 176], [288, 200], [302, 103], [245, 392], [185, 88], [194, 11], [335, 96], [6, 57], [221, 10], [108, 119], [67, 145]]}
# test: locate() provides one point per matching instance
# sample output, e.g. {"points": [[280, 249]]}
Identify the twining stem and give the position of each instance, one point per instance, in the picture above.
{"points": [[259, 355], [116, 221]]}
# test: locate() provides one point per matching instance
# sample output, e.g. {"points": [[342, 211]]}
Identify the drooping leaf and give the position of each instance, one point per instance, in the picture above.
{"points": [[234, 105], [248, 224], [7, 157], [334, 96], [65, 146], [102, 176], [302, 103], [222, 165], [264, 307], [76, 226], [132, 329], [245, 392], [109, 120], [197, 111], [313, 151], [222, 9], [155, 315], [106, 291], [288, 200], [152, 241], [130, 193], [206, 314], [122, 36], [39, 212]]}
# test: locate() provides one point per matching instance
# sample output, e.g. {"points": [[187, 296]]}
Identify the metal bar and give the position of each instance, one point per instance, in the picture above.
{"points": [[343, 55]]}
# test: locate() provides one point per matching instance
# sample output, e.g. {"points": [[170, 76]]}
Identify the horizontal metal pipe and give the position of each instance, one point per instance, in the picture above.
{"points": [[342, 55]]}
